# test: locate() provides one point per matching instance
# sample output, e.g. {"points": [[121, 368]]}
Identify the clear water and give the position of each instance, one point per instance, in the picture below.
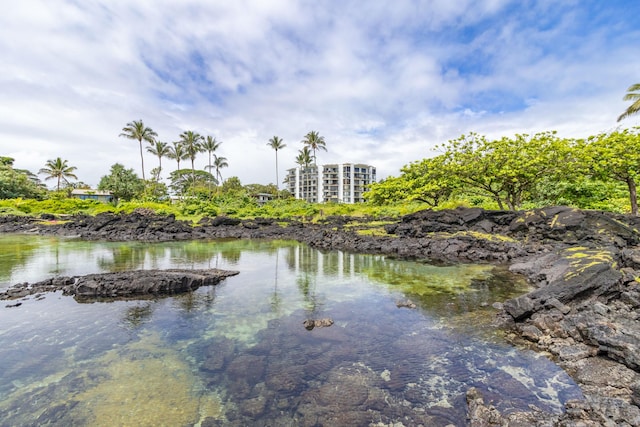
{"points": [[238, 353]]}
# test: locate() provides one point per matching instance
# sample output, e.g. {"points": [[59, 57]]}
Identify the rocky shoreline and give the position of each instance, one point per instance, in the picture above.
{"points": [[583, 313]]}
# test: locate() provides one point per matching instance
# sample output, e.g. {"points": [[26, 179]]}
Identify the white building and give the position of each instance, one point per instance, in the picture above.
{"points": [[342, 183]]}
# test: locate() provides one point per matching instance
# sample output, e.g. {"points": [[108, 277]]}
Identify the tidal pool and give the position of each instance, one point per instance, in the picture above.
{"points": [[238, 353]]}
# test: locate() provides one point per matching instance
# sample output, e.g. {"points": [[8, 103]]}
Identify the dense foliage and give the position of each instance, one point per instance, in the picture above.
{"points": [[523, 171], [123, 183], [16, 183]]}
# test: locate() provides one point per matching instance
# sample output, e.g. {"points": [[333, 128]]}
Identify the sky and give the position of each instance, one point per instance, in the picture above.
{"points": [[383, 82]]}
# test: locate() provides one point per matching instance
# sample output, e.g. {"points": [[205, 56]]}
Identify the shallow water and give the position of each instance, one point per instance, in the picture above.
{"points": [[238, 353]]}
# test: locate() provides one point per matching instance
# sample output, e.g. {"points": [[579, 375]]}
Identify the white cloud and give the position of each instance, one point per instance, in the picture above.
{"points": [[382, 83]]}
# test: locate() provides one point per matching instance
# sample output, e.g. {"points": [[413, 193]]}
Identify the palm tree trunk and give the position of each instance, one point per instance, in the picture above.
{"points": [[277, 180], [209, 172], [633, 196], [142, 159]]}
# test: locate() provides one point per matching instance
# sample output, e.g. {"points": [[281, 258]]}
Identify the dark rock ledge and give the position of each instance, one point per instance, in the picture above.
{"points": [[124, 284]]}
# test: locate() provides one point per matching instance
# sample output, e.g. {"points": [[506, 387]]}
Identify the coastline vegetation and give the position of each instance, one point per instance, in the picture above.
{"points": [[519, 172]]}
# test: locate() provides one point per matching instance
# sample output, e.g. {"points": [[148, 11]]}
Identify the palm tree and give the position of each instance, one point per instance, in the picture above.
{"points": [[160, 149], [277, 144], [138, 131], [177, 153], [210, 145], [59, 169], [192, 143], [304, 160], [314, 141], [633, 94], [304, 157], [219, 162]]}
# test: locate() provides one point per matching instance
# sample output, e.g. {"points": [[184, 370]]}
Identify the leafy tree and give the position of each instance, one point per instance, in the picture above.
{"points": [[58, 169], [155, 191], [508, 169], [633, 94], [219, 163], [192, 143], [138, 131], [254, 189], [177, 153], [616, 156], [6, 161], [582, 191], [184, 180], [17, 183], [315, 142], [428, 181], [232, 184], [160, 149], [277, 144], [123, 183]]}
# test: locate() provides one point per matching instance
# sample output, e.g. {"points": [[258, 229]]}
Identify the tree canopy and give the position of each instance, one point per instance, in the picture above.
{"points": [[633, 94], [136, 130], [123, 183], [315, 142], [17, 183], [58, 169], [616, 156]]}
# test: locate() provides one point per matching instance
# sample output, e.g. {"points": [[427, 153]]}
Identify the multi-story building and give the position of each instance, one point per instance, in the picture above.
{"points": [[342, 183]]}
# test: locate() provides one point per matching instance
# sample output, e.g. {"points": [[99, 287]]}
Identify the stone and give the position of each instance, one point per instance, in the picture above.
{"points": [[124, 284], [309, 324]]}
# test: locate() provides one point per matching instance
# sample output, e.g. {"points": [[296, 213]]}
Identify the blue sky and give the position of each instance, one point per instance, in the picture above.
{"points": [[383, 82]]}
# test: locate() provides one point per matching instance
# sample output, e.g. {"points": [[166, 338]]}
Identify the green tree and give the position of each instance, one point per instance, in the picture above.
{"points": [[232, 184], [303, 159], [159, 149], [315, 142], [192, 143], [177, 152], [508, 169], [633, 94], [138, 131], [15, 183], [616, 156], [219, 162], [429, 181], [254, 189], [6, 161], [210, 145], [183, 181], [58, 169], [277, 144], [123, 183]]}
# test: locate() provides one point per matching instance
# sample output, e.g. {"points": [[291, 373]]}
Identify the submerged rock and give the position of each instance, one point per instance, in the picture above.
{"points": [[309, 324]]}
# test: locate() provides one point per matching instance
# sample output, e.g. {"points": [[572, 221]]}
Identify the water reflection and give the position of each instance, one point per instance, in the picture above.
{"points": [[136, 315], [238, 354]]}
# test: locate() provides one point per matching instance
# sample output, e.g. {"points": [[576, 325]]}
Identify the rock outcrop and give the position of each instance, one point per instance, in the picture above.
{"points": [[124, 284]]}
